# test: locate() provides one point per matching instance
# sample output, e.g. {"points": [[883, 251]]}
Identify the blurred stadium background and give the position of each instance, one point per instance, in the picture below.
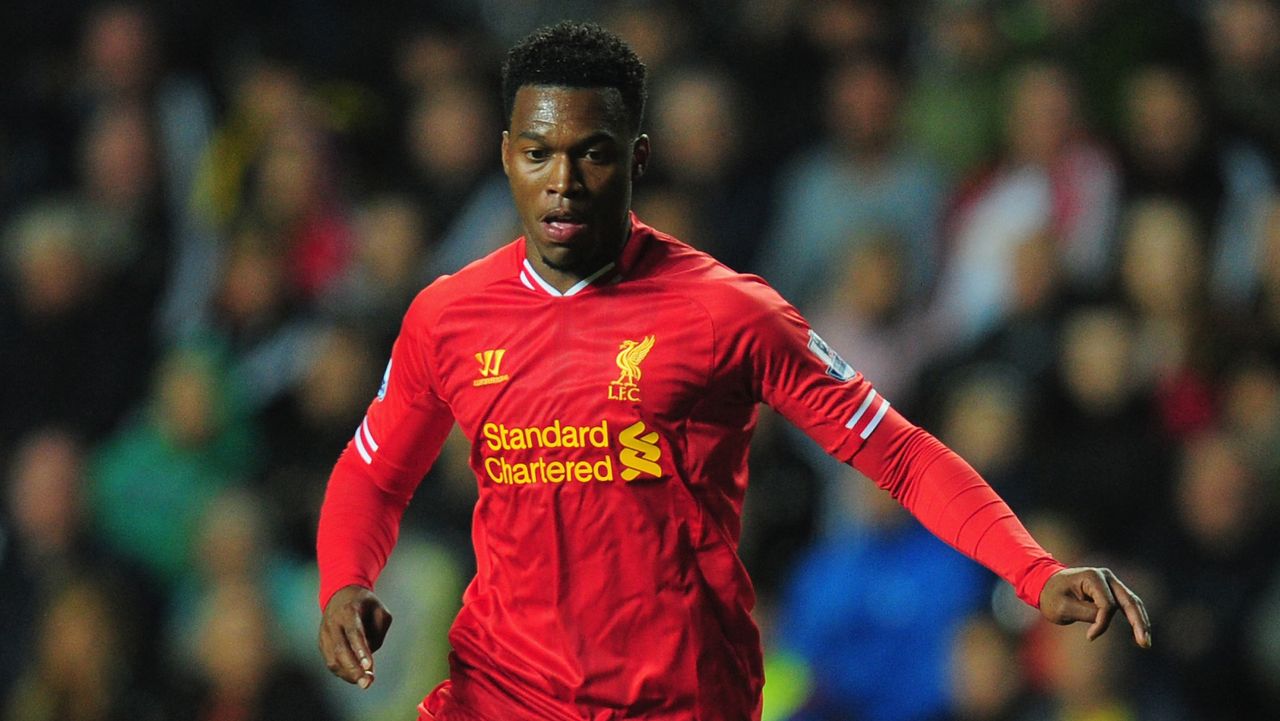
{"points": [[1049, 230]]}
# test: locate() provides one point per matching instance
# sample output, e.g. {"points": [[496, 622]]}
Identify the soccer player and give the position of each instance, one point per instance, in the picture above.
{"points": [[607, 376]]}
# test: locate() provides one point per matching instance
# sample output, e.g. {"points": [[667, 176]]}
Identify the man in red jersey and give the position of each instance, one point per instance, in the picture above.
{"points": [[607, 376]]}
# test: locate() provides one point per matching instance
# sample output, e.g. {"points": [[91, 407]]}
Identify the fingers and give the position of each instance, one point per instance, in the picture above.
{"points": [[344, 642], [359, 648], [341, 659], [1134, 609], [1095, 588], [1094, 595]]}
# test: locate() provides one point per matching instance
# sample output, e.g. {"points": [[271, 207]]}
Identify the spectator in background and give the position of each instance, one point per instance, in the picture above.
{"points": [[128, 238], [391, 247], [85, 665], [867, 307], [986, 681], [872, 608], [986, 416], [1077, 681], [264, 95], [1212, 566], [861, 181], [154, 122], [1251, 415], [262, 321], [1260, 326], [430, 57], [1100, 42], [952, 110], [228, 683], [151, 481], [1170, 150], [46, 542], [662, 33], [1163, 278], [699, 113], [451, 129], [1244, 69], [66, 358], [1023, 345], [295, 195], [1053, 179], [1097, 434], [303, 426], [234, 547]]}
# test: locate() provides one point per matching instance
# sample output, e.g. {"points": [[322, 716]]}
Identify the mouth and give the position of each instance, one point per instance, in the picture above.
{"points": [[562, 224]]}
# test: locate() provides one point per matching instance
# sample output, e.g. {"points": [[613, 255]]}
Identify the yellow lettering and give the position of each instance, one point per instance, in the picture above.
{"points": [[492, 435], [604, 469], [556, 472], [582, 471], [598, 435], [535, 439], [551, 435], [518, 440], [572, 437], [493, 469]]}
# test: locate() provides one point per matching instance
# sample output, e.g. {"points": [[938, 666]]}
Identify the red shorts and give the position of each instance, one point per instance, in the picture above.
{"points": [[440, 705]]}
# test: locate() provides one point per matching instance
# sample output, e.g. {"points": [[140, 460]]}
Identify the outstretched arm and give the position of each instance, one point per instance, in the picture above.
{"points": [[799, 375], [954, 502], [368, 491]]}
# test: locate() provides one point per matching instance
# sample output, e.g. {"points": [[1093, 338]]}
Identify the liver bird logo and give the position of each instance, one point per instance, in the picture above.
{"points": [[630, 356]]}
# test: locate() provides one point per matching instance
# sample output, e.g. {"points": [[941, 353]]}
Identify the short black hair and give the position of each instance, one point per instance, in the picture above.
{"points": [[576, 55]]}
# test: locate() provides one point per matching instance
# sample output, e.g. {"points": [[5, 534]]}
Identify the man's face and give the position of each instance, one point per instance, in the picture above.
{"points": [[570, 159]]}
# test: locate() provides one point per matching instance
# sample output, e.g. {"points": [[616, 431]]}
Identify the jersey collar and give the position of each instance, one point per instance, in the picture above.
{"points": [[612, 272]]}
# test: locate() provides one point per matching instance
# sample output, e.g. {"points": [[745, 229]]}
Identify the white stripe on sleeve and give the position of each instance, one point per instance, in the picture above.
{"points": [[364, 428], [360, 447], [857, 416], [875, 420]]}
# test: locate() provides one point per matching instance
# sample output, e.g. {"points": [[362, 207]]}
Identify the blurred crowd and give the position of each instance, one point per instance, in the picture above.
{"points": [[1047, 230]]}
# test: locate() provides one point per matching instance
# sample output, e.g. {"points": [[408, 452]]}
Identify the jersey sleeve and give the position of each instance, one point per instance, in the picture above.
{"points": [[793, 370], [374, 478]]}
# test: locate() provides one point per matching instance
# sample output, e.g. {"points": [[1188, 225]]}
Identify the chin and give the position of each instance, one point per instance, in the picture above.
{"points": [[563, 260]]}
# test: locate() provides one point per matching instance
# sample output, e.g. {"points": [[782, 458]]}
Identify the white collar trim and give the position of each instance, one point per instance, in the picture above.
{"points": [[529, 273]]}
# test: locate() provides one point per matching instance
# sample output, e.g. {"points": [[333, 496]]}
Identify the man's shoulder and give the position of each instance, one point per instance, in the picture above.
{"points": [[477, 277], [680, 268]]}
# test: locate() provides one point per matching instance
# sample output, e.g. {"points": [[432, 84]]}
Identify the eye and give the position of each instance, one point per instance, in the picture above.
{"points": [[536, 155], [598, 155]]}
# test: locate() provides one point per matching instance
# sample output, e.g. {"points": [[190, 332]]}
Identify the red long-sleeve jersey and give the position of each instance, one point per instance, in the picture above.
{"points": [[609, 427]]}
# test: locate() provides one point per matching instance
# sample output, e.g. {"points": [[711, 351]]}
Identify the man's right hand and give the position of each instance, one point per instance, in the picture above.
{"points": [[353, 626]]}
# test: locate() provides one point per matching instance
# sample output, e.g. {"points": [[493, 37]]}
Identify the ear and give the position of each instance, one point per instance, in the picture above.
{"points": [[639, 156], [506, 142]]}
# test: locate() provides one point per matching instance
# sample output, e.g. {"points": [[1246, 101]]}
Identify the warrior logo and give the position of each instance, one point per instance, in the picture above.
{"points": [[490, 367], [630, 355]]}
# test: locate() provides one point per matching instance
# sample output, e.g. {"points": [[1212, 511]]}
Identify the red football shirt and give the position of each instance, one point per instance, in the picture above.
{"points": [[609, 429]]}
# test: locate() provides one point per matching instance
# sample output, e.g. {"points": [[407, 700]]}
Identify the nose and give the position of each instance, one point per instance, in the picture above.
{"points": [[562, 176]]}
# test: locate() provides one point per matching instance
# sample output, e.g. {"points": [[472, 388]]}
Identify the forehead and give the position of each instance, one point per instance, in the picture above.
{"points": [[546, 108]]}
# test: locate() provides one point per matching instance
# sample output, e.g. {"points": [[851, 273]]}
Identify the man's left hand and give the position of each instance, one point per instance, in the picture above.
{"points": [[1093, 595]]}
